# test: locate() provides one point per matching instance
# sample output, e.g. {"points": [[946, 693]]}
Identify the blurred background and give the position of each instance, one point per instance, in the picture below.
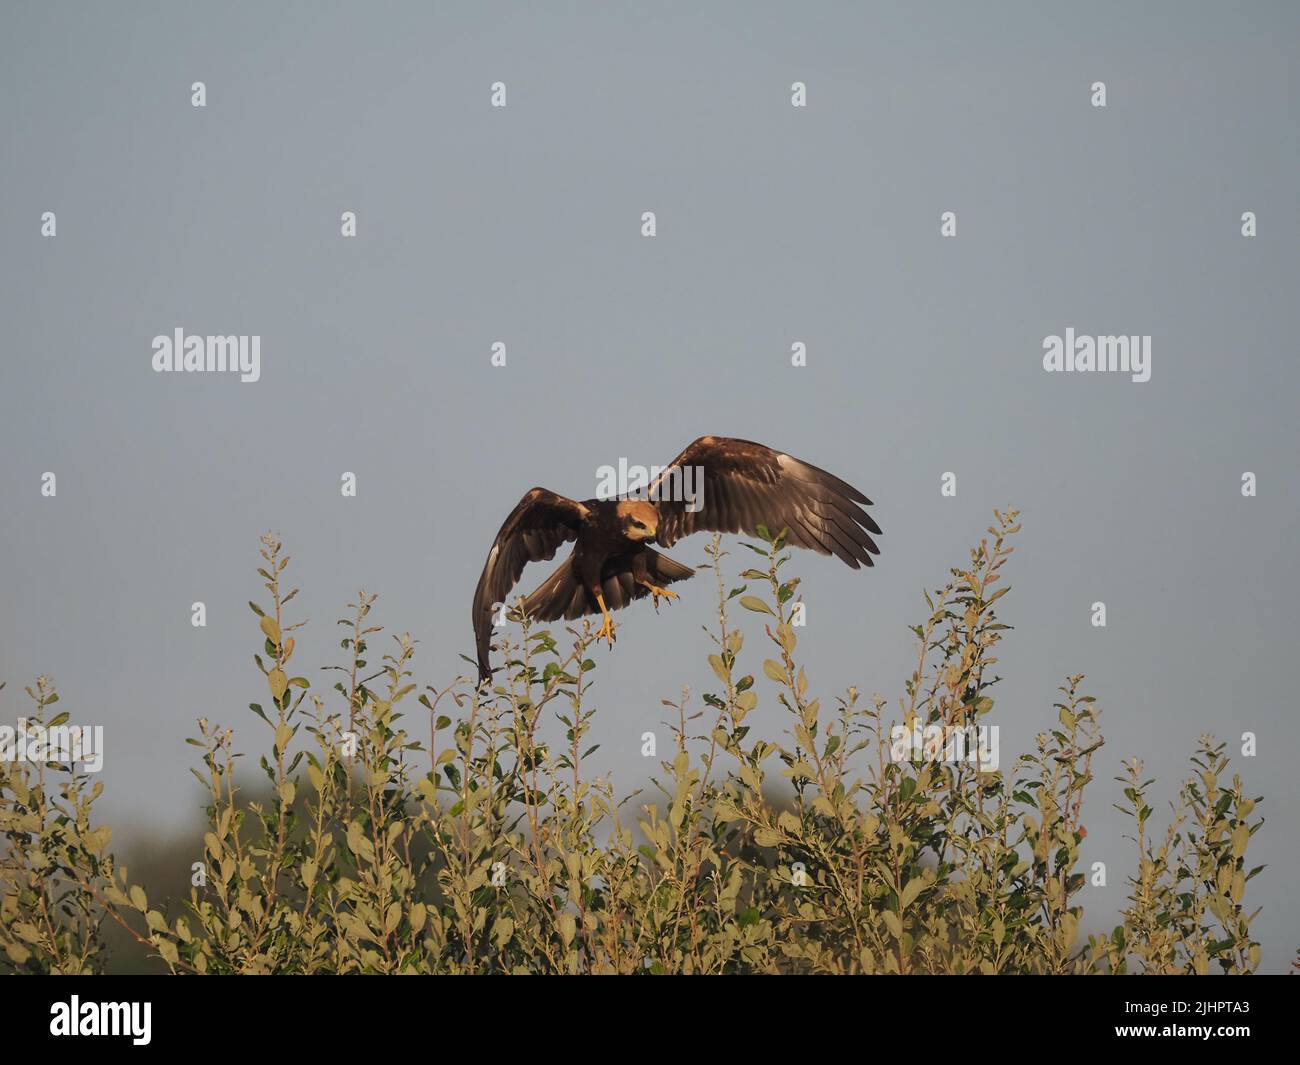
{"points": [[776, 225]]}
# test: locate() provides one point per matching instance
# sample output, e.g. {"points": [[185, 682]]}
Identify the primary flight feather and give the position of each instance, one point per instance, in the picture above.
{"points": [[740, 485]]}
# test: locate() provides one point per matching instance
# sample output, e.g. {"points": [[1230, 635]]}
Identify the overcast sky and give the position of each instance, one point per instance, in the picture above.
{"points": [[775, 225]]}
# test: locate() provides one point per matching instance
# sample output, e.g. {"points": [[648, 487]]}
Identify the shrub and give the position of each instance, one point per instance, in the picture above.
{"points": [[455, 838]]}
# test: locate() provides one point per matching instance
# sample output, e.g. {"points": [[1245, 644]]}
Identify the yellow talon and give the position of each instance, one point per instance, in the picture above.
{"points": [[607, 628], [658, 592]]}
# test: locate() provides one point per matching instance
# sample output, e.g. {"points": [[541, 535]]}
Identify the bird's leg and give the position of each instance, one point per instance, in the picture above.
{"points": [[607, 629], [655, 590]]}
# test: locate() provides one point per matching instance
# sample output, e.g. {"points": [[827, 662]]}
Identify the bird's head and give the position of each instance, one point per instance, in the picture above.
{"points": [[640, 520]]}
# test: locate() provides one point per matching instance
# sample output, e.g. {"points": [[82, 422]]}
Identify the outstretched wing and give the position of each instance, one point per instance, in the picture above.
{"points": [[740, 485], [533, 532]]}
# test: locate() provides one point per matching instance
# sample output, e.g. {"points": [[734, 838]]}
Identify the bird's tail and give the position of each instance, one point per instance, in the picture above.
{"points": [[562, 595], [665, 570]]}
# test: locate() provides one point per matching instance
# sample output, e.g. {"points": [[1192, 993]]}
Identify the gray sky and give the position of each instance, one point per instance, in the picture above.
{"points": [[775, 225]]}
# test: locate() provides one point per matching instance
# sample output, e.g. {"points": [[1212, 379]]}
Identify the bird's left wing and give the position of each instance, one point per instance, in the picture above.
{"points": [[740, 485], [533, 532]]}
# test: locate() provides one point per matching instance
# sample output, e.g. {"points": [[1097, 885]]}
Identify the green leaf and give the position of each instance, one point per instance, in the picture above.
{"points": [[910, 891], [719, 667], [18, 954], [568, 927], [1240, 838]]}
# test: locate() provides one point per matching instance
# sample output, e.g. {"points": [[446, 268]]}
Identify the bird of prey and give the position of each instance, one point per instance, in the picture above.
{"points": [[740, 485]]}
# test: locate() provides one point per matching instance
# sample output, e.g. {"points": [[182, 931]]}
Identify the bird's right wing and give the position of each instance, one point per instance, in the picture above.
{"points": [[744, 485], [533, 532]]}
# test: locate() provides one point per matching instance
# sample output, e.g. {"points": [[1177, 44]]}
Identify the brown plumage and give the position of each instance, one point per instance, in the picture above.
{"points": [[738, 485]]}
